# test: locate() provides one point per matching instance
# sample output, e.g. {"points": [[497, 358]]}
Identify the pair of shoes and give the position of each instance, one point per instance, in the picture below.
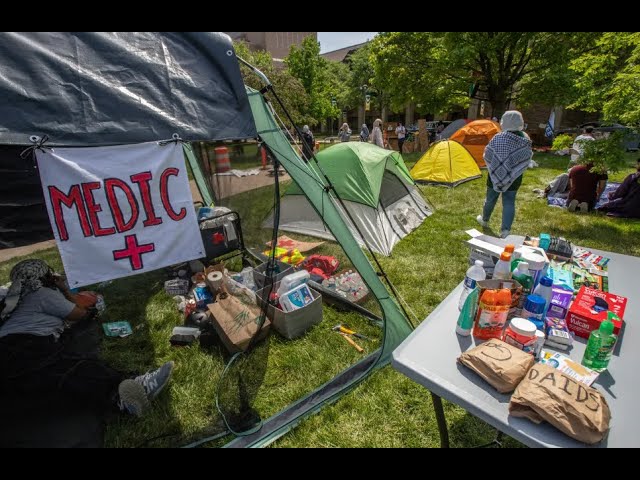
{"points": [[133, 398], [481, 221], [573, 204], [505, 233], [583, 207], [154, 381], [538, 190]]}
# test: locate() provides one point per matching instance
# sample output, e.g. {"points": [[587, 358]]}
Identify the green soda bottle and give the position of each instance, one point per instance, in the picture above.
{"points": [[600, 346]]}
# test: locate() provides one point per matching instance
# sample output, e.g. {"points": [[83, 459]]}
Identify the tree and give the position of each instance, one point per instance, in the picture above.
{"points": [[444, 69], [608, 77], [321, 79], [289, 89]]}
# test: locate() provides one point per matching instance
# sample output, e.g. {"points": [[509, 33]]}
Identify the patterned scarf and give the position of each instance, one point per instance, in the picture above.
{"points": [[26, 277], [507, 157]]}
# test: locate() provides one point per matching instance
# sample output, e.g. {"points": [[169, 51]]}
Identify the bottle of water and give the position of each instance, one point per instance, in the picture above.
{"points": [[474, 274]]}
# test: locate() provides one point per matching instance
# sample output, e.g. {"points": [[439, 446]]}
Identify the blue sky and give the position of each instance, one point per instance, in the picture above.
{"points": [[330, 41]]}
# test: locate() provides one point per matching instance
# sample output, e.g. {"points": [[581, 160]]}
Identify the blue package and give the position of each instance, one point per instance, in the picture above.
{"points": [[562, 278]]}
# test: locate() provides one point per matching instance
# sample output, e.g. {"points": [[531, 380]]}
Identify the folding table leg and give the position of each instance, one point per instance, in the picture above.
{"points": [[442, 421]]}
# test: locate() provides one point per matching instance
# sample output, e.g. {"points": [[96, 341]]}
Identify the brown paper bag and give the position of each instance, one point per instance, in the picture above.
{"points": [[572, 407], [500, 364], [236, 322]]}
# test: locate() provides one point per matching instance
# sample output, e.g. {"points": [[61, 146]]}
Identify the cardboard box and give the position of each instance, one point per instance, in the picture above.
{"points": [[590, 308], [488, 249]]}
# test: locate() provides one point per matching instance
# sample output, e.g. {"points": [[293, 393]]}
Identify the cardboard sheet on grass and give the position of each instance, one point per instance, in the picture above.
{"points": [[290, 244], [236, 321], [546, 394], [604, 197]]}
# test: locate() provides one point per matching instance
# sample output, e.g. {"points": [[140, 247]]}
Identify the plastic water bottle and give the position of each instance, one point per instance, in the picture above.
{"points": [[474, 274], [544, 290]]}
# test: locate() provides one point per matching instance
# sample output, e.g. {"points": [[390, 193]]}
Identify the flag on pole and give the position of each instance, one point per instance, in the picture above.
{"points": [[548, 132]]}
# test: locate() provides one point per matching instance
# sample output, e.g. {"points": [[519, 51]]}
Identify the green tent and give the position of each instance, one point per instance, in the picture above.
{"points": [[380, 202], [323, 199]]}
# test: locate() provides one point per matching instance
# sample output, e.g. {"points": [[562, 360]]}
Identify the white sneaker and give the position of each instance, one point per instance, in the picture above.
{"points": [[481, 221], [583, 207], [505, 233]]}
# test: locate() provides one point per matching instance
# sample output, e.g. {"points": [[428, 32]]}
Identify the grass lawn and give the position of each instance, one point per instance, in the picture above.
{"points": [[387, 410]]}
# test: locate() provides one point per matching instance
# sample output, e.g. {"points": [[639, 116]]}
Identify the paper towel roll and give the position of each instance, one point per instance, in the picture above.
{"points": [[215, 279]]}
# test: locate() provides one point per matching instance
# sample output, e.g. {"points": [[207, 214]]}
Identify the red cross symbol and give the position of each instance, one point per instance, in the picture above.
{"points": [[133, 251]]}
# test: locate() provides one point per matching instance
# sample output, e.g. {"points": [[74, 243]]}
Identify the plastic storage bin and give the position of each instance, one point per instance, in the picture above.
{"points": [[292, 324], [260, 277]]}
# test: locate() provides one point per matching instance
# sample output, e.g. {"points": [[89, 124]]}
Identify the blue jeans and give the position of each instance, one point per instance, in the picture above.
{"points": [[508, 207]]}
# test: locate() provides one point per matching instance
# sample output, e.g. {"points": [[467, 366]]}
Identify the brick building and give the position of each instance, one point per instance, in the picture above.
{"points": [[276, 43]]}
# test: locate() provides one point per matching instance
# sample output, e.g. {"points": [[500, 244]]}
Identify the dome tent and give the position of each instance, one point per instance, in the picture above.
{"points": [[445, 163], [475, 136], [377, 190]]}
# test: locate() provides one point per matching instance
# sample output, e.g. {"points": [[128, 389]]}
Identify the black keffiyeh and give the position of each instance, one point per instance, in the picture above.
{"points": [[507, 157]]}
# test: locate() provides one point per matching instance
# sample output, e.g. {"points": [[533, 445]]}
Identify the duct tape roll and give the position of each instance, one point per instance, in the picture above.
{"points": [[214, 279]]}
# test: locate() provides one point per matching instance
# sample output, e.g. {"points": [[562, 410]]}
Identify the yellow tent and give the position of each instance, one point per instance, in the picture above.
{"points": [[475, 136], [445, 163]]}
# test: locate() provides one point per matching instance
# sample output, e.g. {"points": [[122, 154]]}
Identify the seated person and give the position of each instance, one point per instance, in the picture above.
{"points": [[38, 321], [558, 187], [625, 201], [585, 188]]}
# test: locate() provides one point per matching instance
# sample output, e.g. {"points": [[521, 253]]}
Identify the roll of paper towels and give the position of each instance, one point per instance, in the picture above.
{"points": [[215, 279]]}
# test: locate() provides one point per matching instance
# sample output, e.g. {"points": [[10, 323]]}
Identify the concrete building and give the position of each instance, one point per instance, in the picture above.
{"points": [[276, 43]]}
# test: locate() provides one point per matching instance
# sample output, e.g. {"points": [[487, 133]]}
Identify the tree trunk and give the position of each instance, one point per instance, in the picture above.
{"points": [[498, 98]]}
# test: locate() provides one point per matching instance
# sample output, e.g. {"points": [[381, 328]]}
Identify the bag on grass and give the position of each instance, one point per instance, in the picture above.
{"points": [[500, 364], [572, 407], [236, 322]]}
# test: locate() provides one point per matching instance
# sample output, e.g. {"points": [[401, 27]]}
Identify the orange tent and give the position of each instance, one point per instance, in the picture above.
{"points": [[475, 136]]}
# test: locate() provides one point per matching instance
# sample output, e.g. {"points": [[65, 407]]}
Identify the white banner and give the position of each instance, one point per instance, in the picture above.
{"points": [[120, 210]]}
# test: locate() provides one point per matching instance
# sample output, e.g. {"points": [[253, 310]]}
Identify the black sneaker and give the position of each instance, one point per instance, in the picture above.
{"points": [[154, 381]]}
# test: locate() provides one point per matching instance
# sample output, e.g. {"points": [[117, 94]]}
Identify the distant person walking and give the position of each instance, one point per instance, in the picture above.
{"points": [[308, 142], [376, 135], [401, 132], [344, 133], [364, 133], [507, 156]]}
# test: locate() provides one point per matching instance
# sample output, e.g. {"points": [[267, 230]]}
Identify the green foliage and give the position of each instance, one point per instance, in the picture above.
{"points": [[289, 88], [322, 80], [608, 77], [444, 69], [562, 141], [606, 154]]}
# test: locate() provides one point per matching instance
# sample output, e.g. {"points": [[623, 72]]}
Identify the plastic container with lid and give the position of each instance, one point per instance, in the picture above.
{"points": [[521, 333], [534, 310], [544, 290]]}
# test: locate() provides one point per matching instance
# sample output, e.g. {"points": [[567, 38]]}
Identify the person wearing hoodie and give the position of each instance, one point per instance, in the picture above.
{"points": [[507, 157]]}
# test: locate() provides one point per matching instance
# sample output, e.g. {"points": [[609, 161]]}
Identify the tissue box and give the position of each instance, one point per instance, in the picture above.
{"points": [[591, 307]]}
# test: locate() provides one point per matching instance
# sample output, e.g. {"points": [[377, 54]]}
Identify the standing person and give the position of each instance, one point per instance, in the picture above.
{"points": [[507, 156], [577, 149], [376, 135], [585, 188], [345, 132], [308, 142], [364, 133], [42, 325], [401, 132]]}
